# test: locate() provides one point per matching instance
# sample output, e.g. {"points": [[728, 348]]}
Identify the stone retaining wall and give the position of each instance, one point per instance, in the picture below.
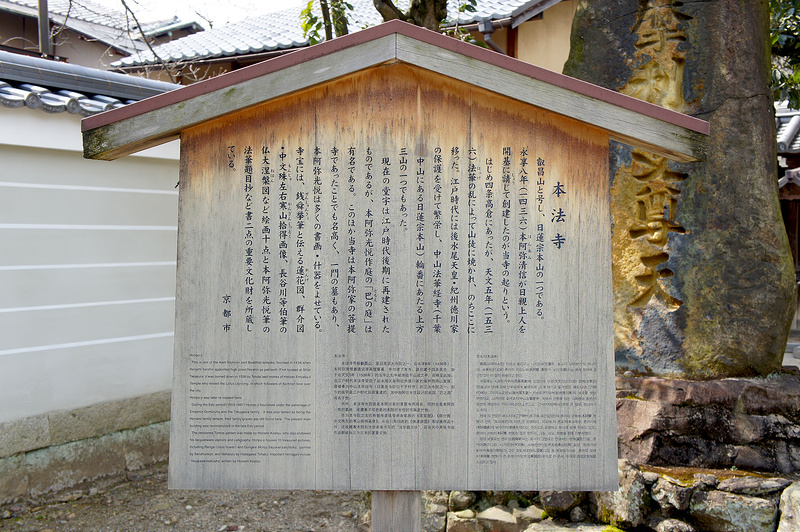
{"points": [[659, 499], [59, 450], [751, 424]]}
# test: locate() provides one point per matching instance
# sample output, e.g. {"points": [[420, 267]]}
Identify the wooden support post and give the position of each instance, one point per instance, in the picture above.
{"points": [[396, 511]]}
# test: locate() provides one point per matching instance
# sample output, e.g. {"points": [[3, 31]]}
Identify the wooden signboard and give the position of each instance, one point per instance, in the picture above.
{"points": [[391, 279], [394, 281]]}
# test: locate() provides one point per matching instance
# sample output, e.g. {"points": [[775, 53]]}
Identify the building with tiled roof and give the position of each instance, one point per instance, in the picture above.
{"points": [[536, 31], [87, 269], [56, 87], [82, 32]]}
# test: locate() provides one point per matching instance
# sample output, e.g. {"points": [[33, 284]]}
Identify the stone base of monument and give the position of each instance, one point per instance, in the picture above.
{"points": [[750, 424]]}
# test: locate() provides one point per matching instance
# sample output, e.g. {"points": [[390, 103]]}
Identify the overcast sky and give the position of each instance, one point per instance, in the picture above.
{"points": [[220, 11]]}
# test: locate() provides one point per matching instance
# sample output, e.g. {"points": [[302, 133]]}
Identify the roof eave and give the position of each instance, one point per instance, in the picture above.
{"points": [[66, 76], [206, 60], [118, 39], [177, 26]]}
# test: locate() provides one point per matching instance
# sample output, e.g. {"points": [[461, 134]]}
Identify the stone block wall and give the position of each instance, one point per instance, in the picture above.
{"points": [[59, 450], [750, 424], [658, 499]]}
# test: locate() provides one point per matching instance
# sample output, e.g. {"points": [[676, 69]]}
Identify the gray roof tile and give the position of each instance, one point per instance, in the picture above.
{"points": [[36, 97], [281, 30], [56, 87]]}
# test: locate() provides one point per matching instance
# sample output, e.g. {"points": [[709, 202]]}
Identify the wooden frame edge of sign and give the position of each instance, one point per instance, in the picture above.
{"points": [[161, 118]]}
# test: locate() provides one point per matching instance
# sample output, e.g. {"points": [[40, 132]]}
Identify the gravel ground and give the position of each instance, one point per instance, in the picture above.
{"points": [[141, 502]]}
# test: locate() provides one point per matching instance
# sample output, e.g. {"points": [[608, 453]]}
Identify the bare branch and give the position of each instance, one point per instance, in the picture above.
{"points": [[204, 17], [27, 44], [147, 42], [56, 30]]}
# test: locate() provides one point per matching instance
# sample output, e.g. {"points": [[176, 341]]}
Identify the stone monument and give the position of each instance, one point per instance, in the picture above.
{"points": [[703, 280]]}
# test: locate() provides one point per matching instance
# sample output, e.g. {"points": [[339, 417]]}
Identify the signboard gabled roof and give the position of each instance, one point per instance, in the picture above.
{"points": [[161, 118]]}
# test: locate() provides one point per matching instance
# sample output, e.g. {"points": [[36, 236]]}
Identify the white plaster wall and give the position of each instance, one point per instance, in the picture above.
{"points": [[87, 268]]}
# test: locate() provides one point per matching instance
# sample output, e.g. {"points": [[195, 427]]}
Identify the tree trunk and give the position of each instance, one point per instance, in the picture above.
{"points": [[427, 13], [339, 18], [326, 19]]}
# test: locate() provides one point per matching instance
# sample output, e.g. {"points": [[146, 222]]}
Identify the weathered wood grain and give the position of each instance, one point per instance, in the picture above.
{"points": [[396, 511], [482, 402]]}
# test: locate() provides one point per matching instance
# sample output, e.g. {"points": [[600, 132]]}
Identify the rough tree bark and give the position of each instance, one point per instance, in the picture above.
{"points": [[426, 13]]}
